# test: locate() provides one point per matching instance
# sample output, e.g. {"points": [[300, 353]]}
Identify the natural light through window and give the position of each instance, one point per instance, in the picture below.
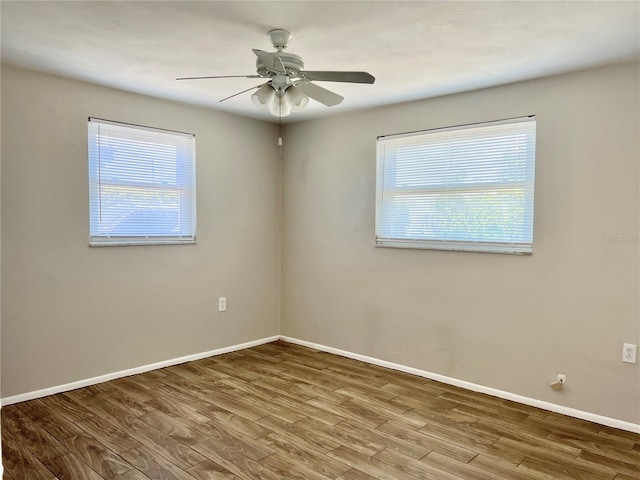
{"points": [[141, 185], [461, 188]]}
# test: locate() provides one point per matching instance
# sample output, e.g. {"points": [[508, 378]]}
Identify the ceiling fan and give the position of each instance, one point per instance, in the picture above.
{"points": [[289, 86]]}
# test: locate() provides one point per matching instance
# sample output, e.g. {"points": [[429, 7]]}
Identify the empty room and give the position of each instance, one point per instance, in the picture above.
{"points": [[316, 240]]}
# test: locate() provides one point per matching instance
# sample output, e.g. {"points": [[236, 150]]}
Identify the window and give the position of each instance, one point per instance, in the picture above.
{"points": [[141, 185], [460, 188]]}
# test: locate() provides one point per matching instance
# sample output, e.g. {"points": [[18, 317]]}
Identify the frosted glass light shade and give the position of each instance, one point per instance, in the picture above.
{"points": [[298, 99], [281, 106], [264, 97]]}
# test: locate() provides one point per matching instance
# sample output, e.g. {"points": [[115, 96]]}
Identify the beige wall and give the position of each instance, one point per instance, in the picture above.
{"points": [[70, 312], [501, 321]]}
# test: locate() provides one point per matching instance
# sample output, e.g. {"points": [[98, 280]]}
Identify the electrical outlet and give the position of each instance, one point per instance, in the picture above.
{"points": [[629, 353], [558, 385], [222, 304]]}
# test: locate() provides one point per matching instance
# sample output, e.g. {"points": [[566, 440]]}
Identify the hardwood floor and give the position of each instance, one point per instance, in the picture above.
{"points": [[283, 411]]}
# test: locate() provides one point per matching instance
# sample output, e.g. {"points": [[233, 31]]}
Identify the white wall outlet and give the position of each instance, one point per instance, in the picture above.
{"points": [[629, 353], [558, 385], [222, 304]]}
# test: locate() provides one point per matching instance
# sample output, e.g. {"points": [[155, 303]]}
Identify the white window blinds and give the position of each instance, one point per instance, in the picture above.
{"points": [[460, 188], [141, 185]]}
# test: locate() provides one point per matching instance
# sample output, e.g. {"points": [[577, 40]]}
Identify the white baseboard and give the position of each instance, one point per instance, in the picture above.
{"points": [[132, 371], [552, 407]]}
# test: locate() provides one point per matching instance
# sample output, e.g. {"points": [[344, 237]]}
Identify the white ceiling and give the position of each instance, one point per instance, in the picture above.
{"points": [[414, 49]]}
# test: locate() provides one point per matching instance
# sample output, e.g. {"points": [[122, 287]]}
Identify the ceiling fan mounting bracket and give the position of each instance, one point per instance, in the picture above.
{"points": [[279, 38]]}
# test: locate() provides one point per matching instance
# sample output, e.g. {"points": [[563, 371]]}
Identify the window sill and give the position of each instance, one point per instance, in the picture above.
{"points": [[511, 249], [140, 244]]}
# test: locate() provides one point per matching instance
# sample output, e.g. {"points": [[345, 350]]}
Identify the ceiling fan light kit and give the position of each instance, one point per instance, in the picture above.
{"points": [[280, 103], [289, 86]]}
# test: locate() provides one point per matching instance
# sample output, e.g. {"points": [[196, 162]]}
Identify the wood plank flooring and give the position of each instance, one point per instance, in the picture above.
{"points": [[281, 411]]}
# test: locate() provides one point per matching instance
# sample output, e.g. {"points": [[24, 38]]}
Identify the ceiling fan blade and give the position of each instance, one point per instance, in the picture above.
{"points": [[319, 94], [243, 91], [219, 76], [271, 61], [350, 77]]}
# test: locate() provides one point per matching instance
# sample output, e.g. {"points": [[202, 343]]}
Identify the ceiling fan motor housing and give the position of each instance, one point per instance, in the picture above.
{"points": [[292, 65]]}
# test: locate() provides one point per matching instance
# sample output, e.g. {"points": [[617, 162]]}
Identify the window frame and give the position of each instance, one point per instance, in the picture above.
{"points": [[186, 152], [384, 239]]}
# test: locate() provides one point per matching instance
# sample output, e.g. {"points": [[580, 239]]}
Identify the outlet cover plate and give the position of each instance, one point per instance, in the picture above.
{"points": [[629, 353]]}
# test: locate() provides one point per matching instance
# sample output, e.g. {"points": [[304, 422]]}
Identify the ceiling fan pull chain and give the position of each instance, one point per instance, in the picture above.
{"points": [[280, 128]]}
